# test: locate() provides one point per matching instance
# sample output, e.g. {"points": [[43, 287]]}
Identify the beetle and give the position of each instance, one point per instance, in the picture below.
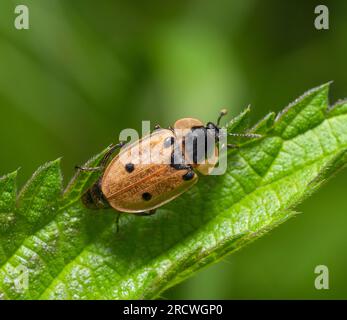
{"points": [[140, 189]]}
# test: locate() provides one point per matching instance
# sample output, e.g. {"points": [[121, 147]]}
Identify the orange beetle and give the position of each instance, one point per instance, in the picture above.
{"points": [[130, 184]]}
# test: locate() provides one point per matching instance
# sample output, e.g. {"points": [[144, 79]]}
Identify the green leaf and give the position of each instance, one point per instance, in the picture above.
{"points": [[240, 122], [265, 124], [70, 252]]}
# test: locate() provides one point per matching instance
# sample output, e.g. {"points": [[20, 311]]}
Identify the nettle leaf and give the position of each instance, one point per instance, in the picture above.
{"points": [[69, 252], [265, 124], [240, 122]]}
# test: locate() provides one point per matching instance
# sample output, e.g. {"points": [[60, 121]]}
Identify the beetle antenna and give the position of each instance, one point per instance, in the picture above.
{"points": [[246, 135], [222, 113]]}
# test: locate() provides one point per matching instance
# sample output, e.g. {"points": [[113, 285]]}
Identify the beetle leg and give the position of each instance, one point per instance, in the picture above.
{"points": [[110, 152], [104, 160], [117, 222], [233, 146], [88, 169]]}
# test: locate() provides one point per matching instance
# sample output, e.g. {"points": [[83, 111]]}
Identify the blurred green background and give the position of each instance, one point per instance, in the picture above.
{"points": [[87, 69]]}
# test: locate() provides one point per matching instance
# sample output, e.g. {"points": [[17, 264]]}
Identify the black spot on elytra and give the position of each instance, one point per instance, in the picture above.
{"points": [[169, 141], [146, 196], [129, 167], [188, 176]]}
